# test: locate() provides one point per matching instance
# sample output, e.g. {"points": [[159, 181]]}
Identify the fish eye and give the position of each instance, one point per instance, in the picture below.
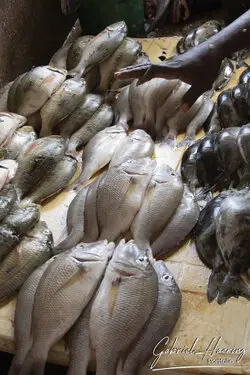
{"points": [[141, 259], [166, 277]]}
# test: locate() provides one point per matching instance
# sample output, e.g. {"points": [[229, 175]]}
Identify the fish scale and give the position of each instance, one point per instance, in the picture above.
{"points": [[136, 296]]}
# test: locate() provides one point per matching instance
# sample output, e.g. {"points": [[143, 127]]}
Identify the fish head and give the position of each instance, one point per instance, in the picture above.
{"points": [[96, 251], [129, 260], [143, 166], [55, 143], [118, 27], [139, 135], [163, 173], [165, 277]]}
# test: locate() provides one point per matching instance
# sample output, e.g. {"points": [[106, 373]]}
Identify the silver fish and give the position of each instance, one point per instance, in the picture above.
{"points": [[23, 317], [36, 162], [55, 181], [179, 226], [75, 223], [162, 197], [76, 51], [34, 249], [100, 47], [99, 151], [120, 195], [123, 113], [9, 123], [31, 90], [81, 115], [20, 141], [61, 104], [161, 323], [138, 144], [124, 303], [124, 56], [101, 119], [70, 280]]}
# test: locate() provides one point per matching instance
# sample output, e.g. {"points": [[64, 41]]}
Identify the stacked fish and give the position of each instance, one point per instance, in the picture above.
{"points": [[122, 307], [222, 242], [137, 198], [218, 160], [232, 106], [155, 106], [25, 243]]}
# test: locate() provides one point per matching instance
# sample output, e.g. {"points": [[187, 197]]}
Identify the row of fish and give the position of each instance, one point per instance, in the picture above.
{"points": [[155, 107], [117, 303], [218, 160], [137, 198], [222, 242], [25, 243]]}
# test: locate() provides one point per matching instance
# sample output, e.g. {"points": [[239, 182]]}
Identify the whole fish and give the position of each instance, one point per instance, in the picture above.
{"points": [[178, 227], [120, 195], [61, 104], [124, 302], [99, 151], [227, 113], [162, 197], [55, 180], [37, 161], [195, 118], [81, 114], [76, 51], [232, 234], [122, 108], [100, 120], [207, 246], [169, 107], [138, 144], [23, 317], [161, 323], [124, 56], [100, 48], [8, 198], [31, 90], [70, 280], [20, 141], [188, 166], [157, 93], [8, 170], [4, 92], [9, 123], [18, 265], [75, 222]]}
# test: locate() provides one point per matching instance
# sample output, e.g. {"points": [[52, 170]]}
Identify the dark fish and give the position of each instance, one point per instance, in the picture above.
{"points": [[243, 146], [226, 110], [188, 166], [244, 77], [225, 74], [207, 246], [233, 237], [8, 197]]}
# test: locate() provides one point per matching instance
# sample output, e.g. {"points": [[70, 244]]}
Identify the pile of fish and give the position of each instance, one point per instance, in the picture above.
{"points": [[155, 107], [137, 198], [25, 243], [123, 304], [222, 242], [218, 160], [232, 106]]}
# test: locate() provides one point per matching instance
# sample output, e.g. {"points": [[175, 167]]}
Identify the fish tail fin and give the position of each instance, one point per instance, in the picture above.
{"points": [[72, 240], [214, 284], [34, 363], [233, 286]]}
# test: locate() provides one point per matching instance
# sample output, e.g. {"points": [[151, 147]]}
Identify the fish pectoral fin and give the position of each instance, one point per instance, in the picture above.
{"points": [[113, 293]]}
